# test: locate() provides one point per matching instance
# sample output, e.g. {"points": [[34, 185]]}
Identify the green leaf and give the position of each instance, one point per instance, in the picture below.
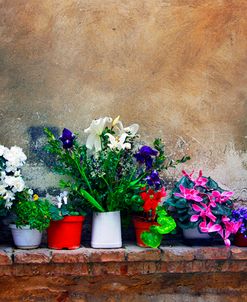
{"points": [[90, 198], [167, 224], [151, 239]]}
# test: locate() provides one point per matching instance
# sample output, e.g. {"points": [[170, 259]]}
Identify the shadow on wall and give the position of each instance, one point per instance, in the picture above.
{"points": [[37, 142]]}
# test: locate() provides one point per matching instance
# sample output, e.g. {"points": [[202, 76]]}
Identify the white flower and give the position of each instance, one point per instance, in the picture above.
{"points": [[30, 192], [9, 196], [118, 142], [16, 183], [8, 204], [2, 190], [131, 130], [95, 130], [65, 197], [3, 175], [15, 158], [17, 173], [62, 198], [60, 202], [2, 150]]}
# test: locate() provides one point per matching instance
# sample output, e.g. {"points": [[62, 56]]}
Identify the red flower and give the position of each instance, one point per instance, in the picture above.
{"points": [[152, 199]]}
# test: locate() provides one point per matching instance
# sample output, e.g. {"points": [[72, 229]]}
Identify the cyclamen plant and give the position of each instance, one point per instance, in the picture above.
{"points": [[200, 202], [110, 170]]}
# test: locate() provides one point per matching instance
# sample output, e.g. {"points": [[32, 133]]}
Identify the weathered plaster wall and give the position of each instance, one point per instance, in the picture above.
{"points": [[177, 67]]}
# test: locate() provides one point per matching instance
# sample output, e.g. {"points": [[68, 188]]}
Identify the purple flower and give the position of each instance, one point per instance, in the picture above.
{"points": [[145, 154], [67, 138], [153, 179], [240, 214]]}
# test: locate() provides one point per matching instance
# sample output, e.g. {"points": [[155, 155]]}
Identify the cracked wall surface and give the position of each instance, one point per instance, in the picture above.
{"points": [[176, 67]]}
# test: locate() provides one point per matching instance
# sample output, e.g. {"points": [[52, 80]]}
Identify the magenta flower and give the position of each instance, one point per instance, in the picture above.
{"points": [[189, 194], [231, 227], [210, 227], [217, 197], [199, 181], [203, 212]]}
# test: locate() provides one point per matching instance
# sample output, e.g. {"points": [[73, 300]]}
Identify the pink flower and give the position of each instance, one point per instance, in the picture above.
{"points": [[199, 181], [210, 227], [203, 212], [231, 227], [189, 194], [216, 196]]}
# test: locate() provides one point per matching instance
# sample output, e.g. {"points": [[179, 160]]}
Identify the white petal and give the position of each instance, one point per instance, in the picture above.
{"points": [[91, 141], [97, 144], [122, 138], [132, 129], [127, 146]]}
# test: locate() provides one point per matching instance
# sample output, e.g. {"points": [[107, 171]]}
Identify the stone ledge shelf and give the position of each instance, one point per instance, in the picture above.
{"points": [[128, 261], [170, 273]]}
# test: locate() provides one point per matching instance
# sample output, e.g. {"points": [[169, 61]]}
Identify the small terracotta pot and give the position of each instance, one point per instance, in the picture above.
{"points": [[141, 226], [65, 233], [240, 240]]}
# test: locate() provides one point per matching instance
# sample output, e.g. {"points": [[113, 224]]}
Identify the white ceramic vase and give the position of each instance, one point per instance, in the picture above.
{"points": [[25, 238], [106, 230], [194, 234]]}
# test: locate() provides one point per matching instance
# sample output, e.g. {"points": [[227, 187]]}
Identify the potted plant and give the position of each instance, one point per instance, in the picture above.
{"points": [[240, 215], [200, 206], [31, 217], [152, 221], [107, 173], [67, 219]]}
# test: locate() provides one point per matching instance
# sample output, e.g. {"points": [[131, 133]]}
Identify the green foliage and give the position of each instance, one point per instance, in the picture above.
{"points": [[105, 183], [110, 180], [162, 161], [3, 210], [36, 214], [167, 224]]}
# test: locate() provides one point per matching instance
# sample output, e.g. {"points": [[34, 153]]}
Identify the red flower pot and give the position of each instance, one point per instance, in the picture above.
{"points": [[65, 233], [141, 226], [240, 240]]}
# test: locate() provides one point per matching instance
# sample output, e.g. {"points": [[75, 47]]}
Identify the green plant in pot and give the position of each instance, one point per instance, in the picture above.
{"points": [[150, 219], [107, 173], [67, 216], [31, 216]]}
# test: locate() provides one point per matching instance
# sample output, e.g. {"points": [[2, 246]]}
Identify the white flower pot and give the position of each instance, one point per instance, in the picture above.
{"points": [[25, 238], [193, 233], [106, 230]]}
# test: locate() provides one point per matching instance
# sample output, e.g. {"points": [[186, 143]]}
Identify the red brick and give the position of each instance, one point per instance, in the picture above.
{"points": [[5, 257], [177, 253], [108, 268], [135, 253], [70, 256], [69, 269], [212, 253], [106, 255], [238, 253], [32, 256]]}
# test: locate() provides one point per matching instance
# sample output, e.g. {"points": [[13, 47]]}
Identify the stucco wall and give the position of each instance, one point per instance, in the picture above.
{"points": [[176, 67]]}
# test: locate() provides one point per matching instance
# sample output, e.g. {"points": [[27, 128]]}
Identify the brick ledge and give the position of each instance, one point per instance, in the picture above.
{"points": [[130, 260]]}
